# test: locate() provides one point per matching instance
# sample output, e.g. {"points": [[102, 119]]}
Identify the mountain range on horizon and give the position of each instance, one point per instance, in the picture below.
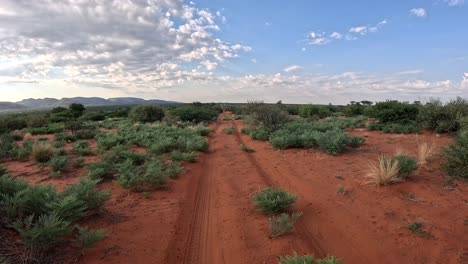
{"points": [[32, 103]]}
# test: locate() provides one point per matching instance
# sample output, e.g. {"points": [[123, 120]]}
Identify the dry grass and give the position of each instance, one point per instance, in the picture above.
{"points": [[383, 172], [425, 152], [42, 151]]}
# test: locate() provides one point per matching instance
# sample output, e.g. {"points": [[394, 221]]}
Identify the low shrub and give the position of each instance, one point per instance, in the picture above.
{"points": [[88, 238], [314, 111], [195, 114], [272, 201], [86, 191], [269, 117], [146, 114], [332, 141], [283, 224], [308, 259], [141, 178], [394, 112], [229, 130], [78, 162], [100, 170], [86, 134], [82, 148], [444, 118], [58, 163], [42, 151], [259, 134], [456, 156], [17, 136], [203, 130], [246, 149], [356, 142], [184, 156], [406, 165]]}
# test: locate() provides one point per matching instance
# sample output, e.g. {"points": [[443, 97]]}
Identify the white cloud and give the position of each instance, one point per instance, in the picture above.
{"points": [[336, 35], [409, 72], [454, 2], [418, 12], [292, 68], [114, 44], [253, 60], [267, 24], [322, 38]]}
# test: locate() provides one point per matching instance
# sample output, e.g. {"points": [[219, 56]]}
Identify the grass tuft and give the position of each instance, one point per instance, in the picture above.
{"points": [[383, 172], [283, 224]]}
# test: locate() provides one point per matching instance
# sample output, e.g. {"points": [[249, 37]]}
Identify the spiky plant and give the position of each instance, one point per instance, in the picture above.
{"points": [[42, 151], [87, 238], [86, 191], [425, 152], [272, 201], [283, 224], [383, 172]]}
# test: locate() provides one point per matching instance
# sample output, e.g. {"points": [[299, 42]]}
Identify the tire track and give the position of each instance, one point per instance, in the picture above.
{"points": [[305, 236]]}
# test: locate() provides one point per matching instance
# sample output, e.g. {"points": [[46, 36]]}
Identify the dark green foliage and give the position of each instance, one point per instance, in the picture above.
{"points": [[259, 133], [87, 238], [146, 114], [58, 163], [283, 224], [314, 111], [203, 130], [457, 157], [44, 231], [78, 163], [196, 114], [82, 148], [410, 127], [74, 125], [441, 118], [356, 142], [151, 176], [93, 116], [69, 208], [406, 165], [3, 170], [246, 149], [269, 117], [394, 112], [355, 109], [417, 228], [100, 170], [76, 109], [86, 134], [184, 156], [8, 146], [11, 123], [332, 141], [293, 109], [62, 116], [17, 136], [37, 120], [50, 129], [273, 201], [229, 130], [86, 191], [296, 259], [62, 137]]}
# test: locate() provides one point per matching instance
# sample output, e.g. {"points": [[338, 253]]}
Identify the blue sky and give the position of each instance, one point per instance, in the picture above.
{"points": [[297, 51]]}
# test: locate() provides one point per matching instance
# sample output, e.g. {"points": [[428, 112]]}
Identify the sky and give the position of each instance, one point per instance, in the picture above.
{"points": [[298, 51]]}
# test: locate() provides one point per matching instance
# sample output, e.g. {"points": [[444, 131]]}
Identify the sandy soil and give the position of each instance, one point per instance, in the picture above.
{"points": [[207, 215]]}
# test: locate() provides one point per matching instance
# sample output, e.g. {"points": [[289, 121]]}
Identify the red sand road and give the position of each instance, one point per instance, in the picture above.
{"points": [[207, 215]]}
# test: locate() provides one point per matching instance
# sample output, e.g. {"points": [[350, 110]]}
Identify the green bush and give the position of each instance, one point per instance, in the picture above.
{"points": [[184, 156], [356, 142], [100, 170], [259, 133], [456, 156], [272, 201], [269, 117], [332, 141], [283, 224], [8, 146], [82, 148], [229, 130], [69, 208], [196, 114], [406, 165], [78, 162], [441, 118], [314, 111], [87, 238], [58, 163], [17, 136], [140, 178], [86, 191], [44, 231], [86, 134], [37, 120], [394, 112], [307, 259], [146, 114]]}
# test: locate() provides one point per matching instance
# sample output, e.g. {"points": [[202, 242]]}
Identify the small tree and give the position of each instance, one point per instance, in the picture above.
{"points": [[146, 113], [77, 109]]}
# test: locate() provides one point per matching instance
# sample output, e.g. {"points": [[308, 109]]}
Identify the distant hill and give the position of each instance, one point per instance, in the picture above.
{"points": [[87, 101], [10, 106]]}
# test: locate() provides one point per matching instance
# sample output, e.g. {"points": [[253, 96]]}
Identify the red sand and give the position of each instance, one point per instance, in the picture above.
{"points": [[207, 215]]}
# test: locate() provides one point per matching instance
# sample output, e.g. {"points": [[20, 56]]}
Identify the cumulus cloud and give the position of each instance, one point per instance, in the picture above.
{"points": [[323, 38], [418, 12], [292, 68], [409, 72], [113, 44]]}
